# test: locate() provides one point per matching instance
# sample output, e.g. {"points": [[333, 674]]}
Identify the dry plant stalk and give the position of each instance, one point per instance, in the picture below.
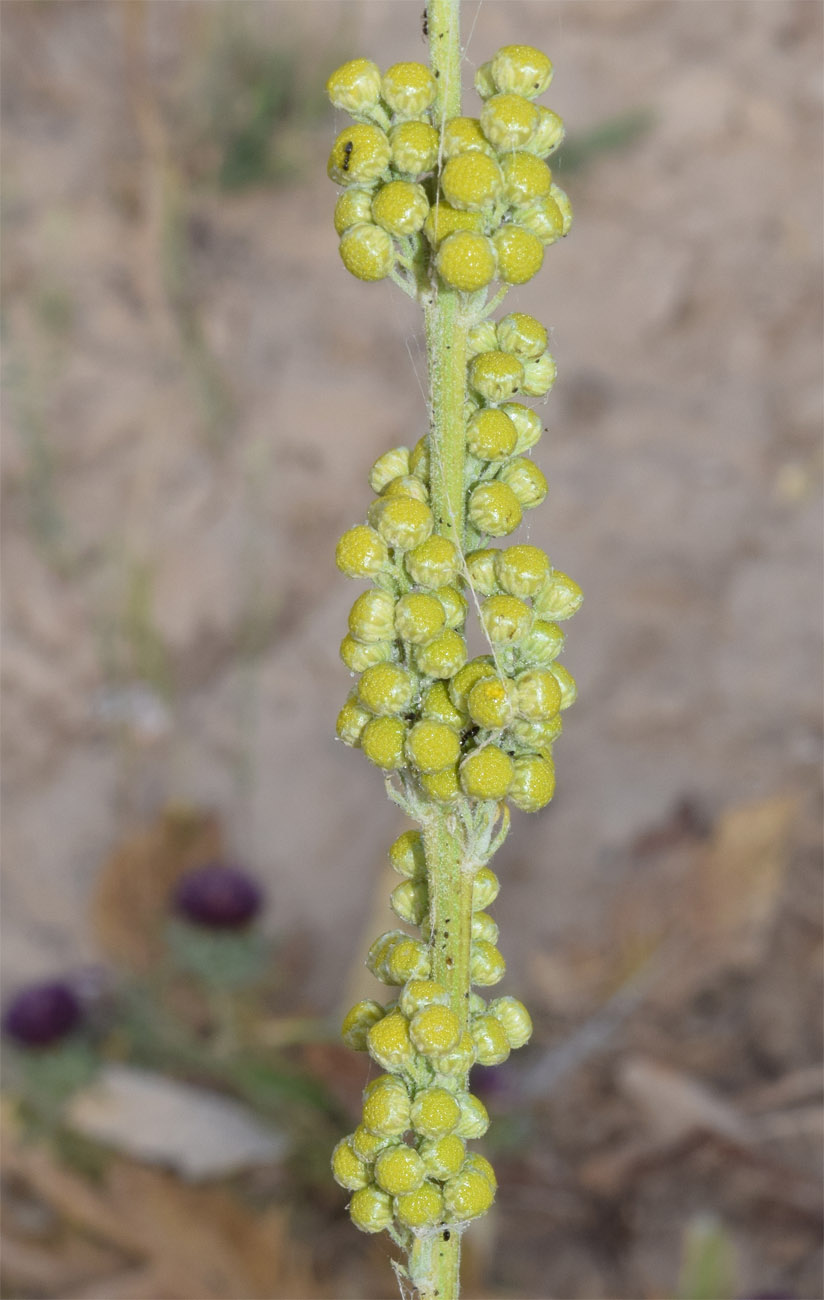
{"points": [[445, 205]]}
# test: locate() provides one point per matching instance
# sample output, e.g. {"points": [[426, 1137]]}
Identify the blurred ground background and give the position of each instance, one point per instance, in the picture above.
{"points": [[194, 390]]}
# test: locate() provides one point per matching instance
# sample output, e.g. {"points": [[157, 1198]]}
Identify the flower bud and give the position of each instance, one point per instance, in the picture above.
{"points": [[445, 220], [361, 553], [418, 994], [522, 335], [487, 773], [484, 84], [347, 1170], [435, 1112], [386, 688], [438, 707], [420, 1209], [355, 86], [548, 134], [460, 1060], [366, 252], [539, 376], [538, 736], [432, 746], [399, 1169], [352, 209], [467, 261], [508, 121], [533, 784], [463, 681], [471, 182], [382, 741], [522, 570], [484, 927], [564, 678], [497, 376], [491, 434], [543, 218], [390, 1046], [366, 1145], [400, 207], [482, 570], [351, 721], [525, 480], [491, 1044], [494, 509], [485, 889], [414, 147], [443, 656], [419, 617], [408, 88], [462, 135], [370, 1209], [515, 1019], [442, 1156], [372, 616], [506, 619], [544, 643], [443, 786], [486, 964], [527, 425], [358, 1021], [481, 338], [454, 606], [474, 1119], [419, 459], [357, 656], [434, 563], [406, 485], [520, 254], [410, 901], [490, 703], [360, 154], [402, 522], [386, 1107], [560, 597], [538, 695], [526, 179], [521, 70], [407, 855], [392, 464], [562, 199]]}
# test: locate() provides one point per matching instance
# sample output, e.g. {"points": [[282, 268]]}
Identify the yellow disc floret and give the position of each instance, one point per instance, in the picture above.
{"points": [[467, 261], [401, 207], [414, 147], [508, 121], [432, 746], [434, 1029], [408, 88], [487, 773], [421, 1208], [360, 154], [435, 1112], [471, 181], [520, 254], [370, 1209]]}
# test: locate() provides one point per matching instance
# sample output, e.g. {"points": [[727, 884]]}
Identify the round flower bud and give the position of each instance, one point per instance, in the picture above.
{"points": [[494, 509], [392, 464], [454, 606], [527, 425], [443, 786], [481, 1165], [476, 1005], [491, 435], [544, 643], [543, 218], [407, 855], [487, 773], [467, 261], [445, 220], [460, 1060], [386, 1107], [564, 678], [526, 481], [526, 178], [506, 619], [508, 121], [361, 552], [462, 682], [414, 147], [491, 1043], [355, 86], [485, 889], [442, 1156], [474, 1119], [486, 966], [352, 209], [410, 901], [496, 375], [358, 656], [434, 563], [442, 657], [386, 688], [370, 1209], [520, 254], [389, 1045], [565, 207], [401, 207], [399, 1169], [347, 1170], [406, 485], [515, 1019], [521, 70], [548, 134], [402, 521], [418, 994], [407, 959], [481, 338], [490, 703], [522, 570], [408, 89], [380, 949], [538, 736], [437, 706], [420, 1209], [522, 335], [484, 927], [367, 252], [471, 181], [484, 84], [431, 746], [481, 566], [560, 597], [360, 154], [351, 721], [382, 741], [419, 617], [538, 695], [539, 375], [534, 783], [372, 617], [419, 459], [435, 1112], [358, 1021], [366, 1145], [434, 1030], [463, 135]]}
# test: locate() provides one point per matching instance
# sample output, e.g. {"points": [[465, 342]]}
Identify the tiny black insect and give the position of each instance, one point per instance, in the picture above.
{"points": [[446, 1234], [347, 154], [425, 23]]}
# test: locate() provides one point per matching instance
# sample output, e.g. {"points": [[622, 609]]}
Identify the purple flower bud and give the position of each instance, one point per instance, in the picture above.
{"points": [[41, 1014], [218, 897]]}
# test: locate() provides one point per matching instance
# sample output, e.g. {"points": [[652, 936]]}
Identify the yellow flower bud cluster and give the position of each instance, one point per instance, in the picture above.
{"points": [[426, 1053], [472, 197]]}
